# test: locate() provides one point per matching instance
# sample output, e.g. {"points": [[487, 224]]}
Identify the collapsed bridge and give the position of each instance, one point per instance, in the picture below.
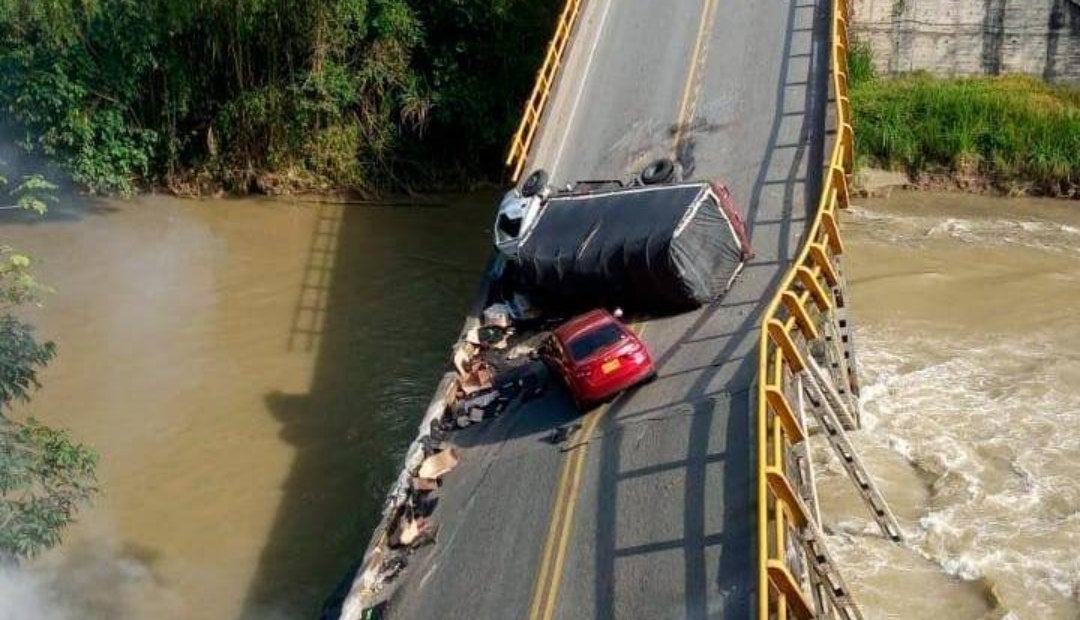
{"points": [[692, 496]]}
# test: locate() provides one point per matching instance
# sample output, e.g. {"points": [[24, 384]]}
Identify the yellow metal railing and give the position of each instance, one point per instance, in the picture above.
{"points": [[545, 79], [790, 323]]}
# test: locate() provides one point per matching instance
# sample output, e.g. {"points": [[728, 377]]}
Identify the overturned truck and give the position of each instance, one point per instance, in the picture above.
{"points": [[654, 248]]}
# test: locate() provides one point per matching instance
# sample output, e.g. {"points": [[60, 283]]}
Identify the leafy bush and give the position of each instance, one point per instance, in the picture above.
{"points": [[45, 477], [1017, 131], [343, 92]]}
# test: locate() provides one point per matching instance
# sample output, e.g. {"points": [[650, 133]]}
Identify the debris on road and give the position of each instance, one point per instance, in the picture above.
{"points": [[562, 433], [497, 315], [424, 485], [439, 464], [414, 533]]}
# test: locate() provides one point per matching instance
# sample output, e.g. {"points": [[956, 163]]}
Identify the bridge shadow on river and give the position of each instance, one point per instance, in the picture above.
{"points": [[382, 300]]}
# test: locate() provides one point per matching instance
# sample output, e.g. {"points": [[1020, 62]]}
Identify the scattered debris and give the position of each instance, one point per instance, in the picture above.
{"points": [[393, 564], [498, 315], [527, 381], [464, 354], [437, 465], [562, 433], [424, 485], [414, 533], [477, 379]]}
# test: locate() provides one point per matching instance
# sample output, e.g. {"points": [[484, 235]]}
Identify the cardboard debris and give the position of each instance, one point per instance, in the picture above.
{"points": [[414, 532], [424, 484], [464, 353], [437, 465], [480, 400], [477, 380], [473, 336]]}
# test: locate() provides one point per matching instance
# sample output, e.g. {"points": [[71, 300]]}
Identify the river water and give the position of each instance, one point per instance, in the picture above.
{"points": [[968, 326], [251, 372]]}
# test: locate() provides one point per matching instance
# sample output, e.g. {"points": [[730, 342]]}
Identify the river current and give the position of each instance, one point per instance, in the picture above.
{"points": [[252, 370], [968, 325]]}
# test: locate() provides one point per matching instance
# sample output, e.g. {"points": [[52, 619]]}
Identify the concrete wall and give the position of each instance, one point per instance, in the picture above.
{"points": [[965, 37]]}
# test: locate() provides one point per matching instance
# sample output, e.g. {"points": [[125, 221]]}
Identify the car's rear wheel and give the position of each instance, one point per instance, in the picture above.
{"points": [[659, 171], [535, 183]]}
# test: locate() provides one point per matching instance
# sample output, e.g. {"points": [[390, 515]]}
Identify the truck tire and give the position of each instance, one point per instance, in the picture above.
{"points": [[535, 183], [660, 171]]}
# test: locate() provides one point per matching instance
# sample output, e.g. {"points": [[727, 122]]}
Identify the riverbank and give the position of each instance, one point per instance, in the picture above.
{"points": [[1010, 135]]}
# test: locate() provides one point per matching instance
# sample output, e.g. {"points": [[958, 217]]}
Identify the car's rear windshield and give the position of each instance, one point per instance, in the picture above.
{"points": [[589, 343]]}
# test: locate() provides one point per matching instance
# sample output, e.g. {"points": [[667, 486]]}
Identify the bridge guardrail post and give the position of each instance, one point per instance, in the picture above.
{"points": [[809, 307]]}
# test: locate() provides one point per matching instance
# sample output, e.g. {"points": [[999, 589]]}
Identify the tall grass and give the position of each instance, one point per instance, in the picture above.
{"points": [[1018, 132]]}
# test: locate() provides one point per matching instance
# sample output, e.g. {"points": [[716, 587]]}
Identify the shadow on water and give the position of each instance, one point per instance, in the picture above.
{"points": [[382, 300]]}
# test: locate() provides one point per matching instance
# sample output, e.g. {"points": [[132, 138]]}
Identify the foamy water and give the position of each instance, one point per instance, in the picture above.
{"points": [[968, 328]]}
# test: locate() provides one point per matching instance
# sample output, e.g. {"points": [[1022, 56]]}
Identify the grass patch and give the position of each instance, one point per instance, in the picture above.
{"points": [[1019, 133]]}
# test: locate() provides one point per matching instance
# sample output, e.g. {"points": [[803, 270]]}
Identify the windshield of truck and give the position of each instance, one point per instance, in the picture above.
{"points": [[598, 339], [509, 226]]}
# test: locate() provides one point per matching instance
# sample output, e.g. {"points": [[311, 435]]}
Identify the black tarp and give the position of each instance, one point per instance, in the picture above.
{"points": [[660, 248]]}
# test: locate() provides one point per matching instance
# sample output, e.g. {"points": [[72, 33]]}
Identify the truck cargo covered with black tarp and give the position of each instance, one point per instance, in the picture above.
{"points": [[653, 248]]}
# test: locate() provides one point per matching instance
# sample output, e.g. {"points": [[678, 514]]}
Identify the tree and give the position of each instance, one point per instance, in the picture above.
{"points": [[45, 476]]}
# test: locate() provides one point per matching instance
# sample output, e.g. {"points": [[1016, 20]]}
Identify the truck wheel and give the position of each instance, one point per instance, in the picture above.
{"points": [[659, 171], [534, 184]]}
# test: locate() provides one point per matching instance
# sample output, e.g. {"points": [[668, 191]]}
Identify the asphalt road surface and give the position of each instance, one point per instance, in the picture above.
{"points": [[650, 513]]}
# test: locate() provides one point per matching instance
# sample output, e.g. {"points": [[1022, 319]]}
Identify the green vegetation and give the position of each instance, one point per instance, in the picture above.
{"points": [[269, 95], [1016, 133], [45, 477]]}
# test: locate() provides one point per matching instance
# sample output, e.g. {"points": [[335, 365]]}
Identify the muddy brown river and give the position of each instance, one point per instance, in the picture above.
{"points": [[251, 372]]}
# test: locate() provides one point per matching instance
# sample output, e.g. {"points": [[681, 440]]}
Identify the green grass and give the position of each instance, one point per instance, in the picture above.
{"points": [[1018, 132]]}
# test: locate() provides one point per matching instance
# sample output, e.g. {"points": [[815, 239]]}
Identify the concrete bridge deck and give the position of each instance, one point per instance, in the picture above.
{"points": [[653, 515]]}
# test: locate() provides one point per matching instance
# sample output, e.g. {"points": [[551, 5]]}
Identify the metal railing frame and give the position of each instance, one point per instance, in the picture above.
{"points": [[545, 79], [791, 322]]}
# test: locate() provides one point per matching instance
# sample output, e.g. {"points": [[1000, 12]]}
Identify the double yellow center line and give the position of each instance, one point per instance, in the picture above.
{"points": [[546, 590], [692, 88]]}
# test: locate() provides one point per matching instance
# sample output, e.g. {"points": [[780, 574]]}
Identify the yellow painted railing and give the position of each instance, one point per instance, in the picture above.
{"points": [[545, 79], [791, 322]]}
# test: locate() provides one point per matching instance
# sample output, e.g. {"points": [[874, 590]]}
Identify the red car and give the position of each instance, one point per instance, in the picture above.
{"points": [[598, 357]]}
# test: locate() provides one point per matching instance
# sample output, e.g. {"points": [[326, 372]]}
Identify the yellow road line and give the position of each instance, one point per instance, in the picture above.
{"points": [[568, 520], [688, 98], [545, 592], [545, 564]]}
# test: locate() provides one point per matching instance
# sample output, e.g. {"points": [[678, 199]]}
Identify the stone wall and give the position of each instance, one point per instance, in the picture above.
{"points": [[969, 37]]}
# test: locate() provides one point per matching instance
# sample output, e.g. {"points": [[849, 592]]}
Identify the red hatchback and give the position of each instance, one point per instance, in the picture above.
{"points": [[598, 357]]}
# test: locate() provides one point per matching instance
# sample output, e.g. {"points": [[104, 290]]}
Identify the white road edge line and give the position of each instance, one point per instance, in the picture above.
{"points": [[581, 89]]}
